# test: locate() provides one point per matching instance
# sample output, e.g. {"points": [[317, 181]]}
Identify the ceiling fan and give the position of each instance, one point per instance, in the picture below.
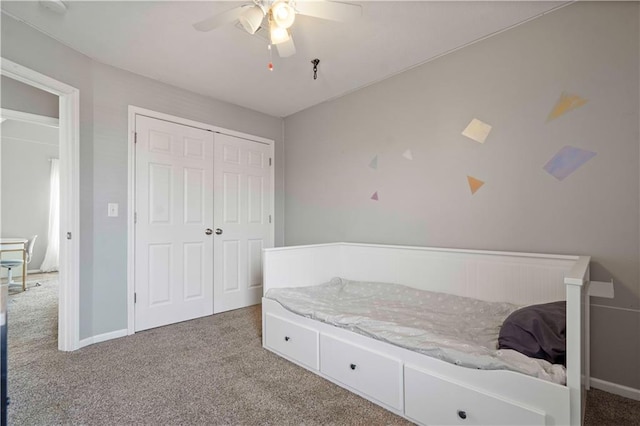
{"points": [[277, 17]]}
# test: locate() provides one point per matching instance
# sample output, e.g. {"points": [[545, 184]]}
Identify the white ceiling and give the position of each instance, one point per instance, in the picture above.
{"points": [[156, 39]]}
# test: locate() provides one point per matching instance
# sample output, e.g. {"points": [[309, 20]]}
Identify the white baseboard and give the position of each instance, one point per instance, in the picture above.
{"points": [[615, 388], [102, 337]]}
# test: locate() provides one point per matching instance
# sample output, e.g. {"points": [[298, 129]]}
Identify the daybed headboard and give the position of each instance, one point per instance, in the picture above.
{"points": [[520, 278]]}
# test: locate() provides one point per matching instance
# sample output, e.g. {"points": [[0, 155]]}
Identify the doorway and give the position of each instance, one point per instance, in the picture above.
{"points": [[201, 211], [69, 129], [30, 195]]}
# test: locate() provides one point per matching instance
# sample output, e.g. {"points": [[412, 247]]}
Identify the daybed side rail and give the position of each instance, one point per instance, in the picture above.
{"points": [[299, 266], [577, 283]]}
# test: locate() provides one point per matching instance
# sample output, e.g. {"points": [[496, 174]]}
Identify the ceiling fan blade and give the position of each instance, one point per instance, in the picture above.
{"points": [[220, 19], [331, 10], [286, 48]]}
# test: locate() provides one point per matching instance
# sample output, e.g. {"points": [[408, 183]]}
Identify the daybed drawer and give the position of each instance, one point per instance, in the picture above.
{"points": [[292, 340], [435, 401], [376, 375]]}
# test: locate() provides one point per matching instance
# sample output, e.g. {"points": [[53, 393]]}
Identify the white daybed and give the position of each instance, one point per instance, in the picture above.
{"points": [[420, 388]]}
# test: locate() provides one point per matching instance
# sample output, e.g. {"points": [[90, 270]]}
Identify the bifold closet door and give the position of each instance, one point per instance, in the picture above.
{"points": [[174, 217], [243, 219]]}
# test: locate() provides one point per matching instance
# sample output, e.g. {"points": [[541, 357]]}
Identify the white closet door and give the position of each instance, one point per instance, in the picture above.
{"points": [[243, 216], [174, 207]]}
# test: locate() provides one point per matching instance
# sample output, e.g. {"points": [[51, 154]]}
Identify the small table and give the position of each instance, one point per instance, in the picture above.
{"points": [[16, 244]]}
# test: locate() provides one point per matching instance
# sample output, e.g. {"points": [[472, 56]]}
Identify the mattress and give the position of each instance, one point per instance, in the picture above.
{"points": [[455, 329]]}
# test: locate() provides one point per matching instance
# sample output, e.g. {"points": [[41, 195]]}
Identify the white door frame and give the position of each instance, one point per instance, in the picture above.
{"points": [[131, 239], [42, 120], [69, 121]]}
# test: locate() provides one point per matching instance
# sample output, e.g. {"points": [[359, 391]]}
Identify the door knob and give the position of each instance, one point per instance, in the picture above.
{"points": [[218, 231], [208, 231]]}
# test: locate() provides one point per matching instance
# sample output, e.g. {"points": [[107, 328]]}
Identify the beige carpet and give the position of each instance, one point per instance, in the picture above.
{"points": [[207, 371]]}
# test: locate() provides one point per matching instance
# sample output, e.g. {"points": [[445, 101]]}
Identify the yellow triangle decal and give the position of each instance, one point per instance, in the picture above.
{"points": [[474, 184], [566, 103]]}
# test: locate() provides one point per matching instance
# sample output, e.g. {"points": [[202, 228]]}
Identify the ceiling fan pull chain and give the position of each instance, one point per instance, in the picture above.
{"points": [[270, 64], [315, 63]]}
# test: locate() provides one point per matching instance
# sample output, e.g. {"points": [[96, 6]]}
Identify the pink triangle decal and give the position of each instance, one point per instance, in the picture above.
{"points": [[375, 196]]}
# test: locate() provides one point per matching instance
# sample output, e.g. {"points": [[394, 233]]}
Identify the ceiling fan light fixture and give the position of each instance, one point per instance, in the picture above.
{"points": [[279, 34], [57, 6], [251, 19], [283, 14]]}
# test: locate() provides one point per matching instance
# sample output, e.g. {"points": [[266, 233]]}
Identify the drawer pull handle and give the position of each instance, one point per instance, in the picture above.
{"points": [[287, 338], [462, 414], [352, 366]]}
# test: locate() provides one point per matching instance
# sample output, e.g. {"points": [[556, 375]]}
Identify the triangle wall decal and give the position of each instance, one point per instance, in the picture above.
{"points": [[374, 163], [474, 184], [566, 103]]}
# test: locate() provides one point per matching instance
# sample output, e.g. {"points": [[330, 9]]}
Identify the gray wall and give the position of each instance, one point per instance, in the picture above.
{"points": [[25, 152], [22, 97], [510, 81], [113, 91], [105, 93], [28, 47]]}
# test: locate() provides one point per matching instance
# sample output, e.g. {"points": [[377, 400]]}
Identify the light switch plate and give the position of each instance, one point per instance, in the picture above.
{"points": [[112, 210]]}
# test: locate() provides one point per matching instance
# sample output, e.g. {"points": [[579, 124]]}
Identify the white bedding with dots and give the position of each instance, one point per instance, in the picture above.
{"points": [[456, 329]]}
